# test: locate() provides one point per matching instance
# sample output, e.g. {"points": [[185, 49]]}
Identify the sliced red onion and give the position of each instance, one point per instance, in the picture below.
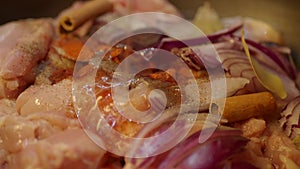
{"points": [[155, 38], [225, 32], [169, 43], [283, 63], [191, 154], [268, 58], [156, 127], [236, 63], [290, 118]]}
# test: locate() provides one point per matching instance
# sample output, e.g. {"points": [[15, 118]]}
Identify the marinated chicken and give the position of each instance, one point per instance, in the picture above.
{"points": [[41, 122]]}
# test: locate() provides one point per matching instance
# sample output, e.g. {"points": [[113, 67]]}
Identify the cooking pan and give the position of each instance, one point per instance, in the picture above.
{"points": [[283, 15]]}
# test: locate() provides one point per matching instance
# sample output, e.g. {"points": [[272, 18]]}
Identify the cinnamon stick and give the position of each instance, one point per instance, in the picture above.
{"points": [[74, 18], [250, 105]]}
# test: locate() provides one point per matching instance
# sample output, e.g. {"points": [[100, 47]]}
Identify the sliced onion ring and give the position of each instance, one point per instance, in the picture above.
{"points": [[224, 143]]}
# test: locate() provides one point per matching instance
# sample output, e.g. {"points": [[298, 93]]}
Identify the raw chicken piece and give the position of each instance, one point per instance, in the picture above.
{"points": [[68, 149], [15, 133], [252, 127], [134, 6], [7, 107], [41, 98], [253, 154], [3, 155], [281, 149], [49, 123], [22, 45]]}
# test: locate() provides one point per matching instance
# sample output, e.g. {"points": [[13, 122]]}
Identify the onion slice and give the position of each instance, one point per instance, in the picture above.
{"points": [[283, 63], [211, 154], [290, 118], [169, 43]]}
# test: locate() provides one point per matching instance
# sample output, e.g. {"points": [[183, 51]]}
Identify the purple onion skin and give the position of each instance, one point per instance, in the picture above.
{"points": [[168, 45], [155, 39], [221, 149], [289, 116], [284, 65], [281, 62], [208, 155]]}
